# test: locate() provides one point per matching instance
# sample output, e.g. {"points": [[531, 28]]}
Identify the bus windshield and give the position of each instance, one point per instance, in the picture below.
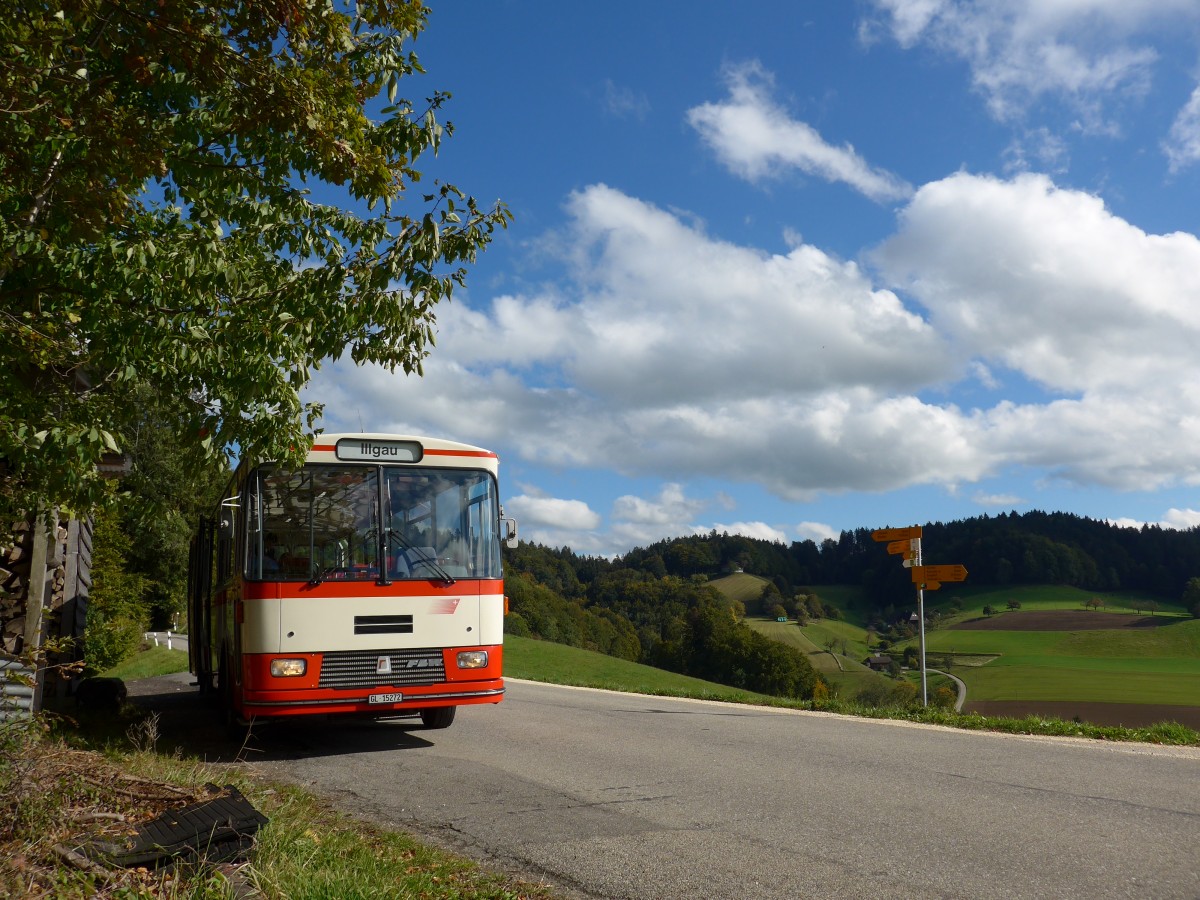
{"points": [[373, 523]]}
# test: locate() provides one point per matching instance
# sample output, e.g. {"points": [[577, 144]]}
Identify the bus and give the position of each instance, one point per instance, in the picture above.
{"points": [[366, 582]]}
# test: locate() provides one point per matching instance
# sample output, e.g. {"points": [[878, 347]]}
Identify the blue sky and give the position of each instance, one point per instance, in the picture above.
{"points": [[788, 268]]}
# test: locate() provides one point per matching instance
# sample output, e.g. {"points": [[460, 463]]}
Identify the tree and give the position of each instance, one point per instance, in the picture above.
{"points": [[1191, 597], [1014, 604], [769, 599], [816, 608], [169, 486], [116, 615], [156, 228], [988, 610]]}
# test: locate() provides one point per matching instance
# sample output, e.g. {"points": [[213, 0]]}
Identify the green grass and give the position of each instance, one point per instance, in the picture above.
{"points": [[153, 661], [308, 851], [821, 631], [559, 664], [1039, 596], [740, 586], [1146, 665]]}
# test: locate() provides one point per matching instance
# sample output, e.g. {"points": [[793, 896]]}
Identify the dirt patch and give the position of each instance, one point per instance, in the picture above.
{"points": [[1061, 620], [1131, 715]]}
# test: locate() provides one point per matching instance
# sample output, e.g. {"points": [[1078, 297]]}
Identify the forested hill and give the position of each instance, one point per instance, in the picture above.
{"points": [[1012, 548], [655, 605], [1009, 549]]}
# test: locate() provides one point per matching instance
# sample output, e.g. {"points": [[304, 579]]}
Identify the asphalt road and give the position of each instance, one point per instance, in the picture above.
{"points": [[607, 795]]}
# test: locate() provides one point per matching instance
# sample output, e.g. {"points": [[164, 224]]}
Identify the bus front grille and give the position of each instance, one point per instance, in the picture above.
{"points": [[349, 669]]}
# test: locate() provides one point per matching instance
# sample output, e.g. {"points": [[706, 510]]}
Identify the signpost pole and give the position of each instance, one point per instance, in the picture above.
{"points": [[907, 542], [921, 629]]}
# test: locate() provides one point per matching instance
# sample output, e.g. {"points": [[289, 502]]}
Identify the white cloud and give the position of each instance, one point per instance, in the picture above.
{"points": [[758, 530], [756, 139], [671, 507], [1183, 143], [1182, 518], [567, 515], [1087, 53], [667, 353], [1049, 283], [1176, 519], [817, 532], [641, 522]]}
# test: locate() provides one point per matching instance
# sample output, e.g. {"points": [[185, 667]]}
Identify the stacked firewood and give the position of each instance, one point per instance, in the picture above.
{"points": [[14, 585]]}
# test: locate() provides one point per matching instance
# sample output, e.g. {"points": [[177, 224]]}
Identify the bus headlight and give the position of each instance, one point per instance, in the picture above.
{"points": [[286, 668], [472, 659]]}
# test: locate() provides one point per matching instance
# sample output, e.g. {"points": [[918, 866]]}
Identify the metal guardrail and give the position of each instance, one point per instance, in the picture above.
{"points": [[16, 696]]}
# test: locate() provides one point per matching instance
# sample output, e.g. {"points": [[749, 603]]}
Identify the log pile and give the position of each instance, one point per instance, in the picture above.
{"points": [[15, 562], [45, 577]]}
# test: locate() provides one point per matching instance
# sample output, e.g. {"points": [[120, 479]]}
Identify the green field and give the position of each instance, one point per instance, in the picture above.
{"points": [[740, 586], [1147, 666], [1032, 597], [1151, 666]]}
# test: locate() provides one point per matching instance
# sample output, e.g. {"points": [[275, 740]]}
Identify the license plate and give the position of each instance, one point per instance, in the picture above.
{"points": [[385, 698]]}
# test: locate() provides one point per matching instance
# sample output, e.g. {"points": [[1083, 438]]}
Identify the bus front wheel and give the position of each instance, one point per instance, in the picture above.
{"points": [[438, 717]]}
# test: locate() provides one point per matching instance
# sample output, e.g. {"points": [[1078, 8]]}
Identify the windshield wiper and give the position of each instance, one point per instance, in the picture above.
{"points": [[420, 557]]}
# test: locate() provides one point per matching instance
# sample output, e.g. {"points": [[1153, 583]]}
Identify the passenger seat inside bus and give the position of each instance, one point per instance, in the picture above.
{"points": [[418, 555]]}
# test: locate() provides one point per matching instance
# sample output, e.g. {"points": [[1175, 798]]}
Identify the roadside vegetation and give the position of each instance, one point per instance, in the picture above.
{"points": [[61, 779], [64, 780]]}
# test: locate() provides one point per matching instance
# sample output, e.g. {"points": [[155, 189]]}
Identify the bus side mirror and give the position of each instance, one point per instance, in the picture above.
{"points": [[510, 532], [226, 526]]}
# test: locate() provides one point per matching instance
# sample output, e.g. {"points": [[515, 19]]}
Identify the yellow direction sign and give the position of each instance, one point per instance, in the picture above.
{"points": [[938, 573], [912, 532], [908, 548], [929, 585]]}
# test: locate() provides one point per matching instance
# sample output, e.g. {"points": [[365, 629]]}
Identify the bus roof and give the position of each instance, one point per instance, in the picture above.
{"points": [[399, 448]]}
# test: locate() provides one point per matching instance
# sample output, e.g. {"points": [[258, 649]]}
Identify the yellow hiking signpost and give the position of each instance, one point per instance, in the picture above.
{"points": [[906, 542], [931, 577]]}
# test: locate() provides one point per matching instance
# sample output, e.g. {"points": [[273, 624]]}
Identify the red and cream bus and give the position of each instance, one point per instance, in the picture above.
{"points": [[366, 582]]}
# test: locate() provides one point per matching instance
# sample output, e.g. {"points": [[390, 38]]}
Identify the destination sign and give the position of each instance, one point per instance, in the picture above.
{"points": [[938, 573], [897, 534], [367, 450], [908, 548]]}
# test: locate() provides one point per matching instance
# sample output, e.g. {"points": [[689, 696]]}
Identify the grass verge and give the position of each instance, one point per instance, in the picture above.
{"points": [[151, 661], [57, 795]]}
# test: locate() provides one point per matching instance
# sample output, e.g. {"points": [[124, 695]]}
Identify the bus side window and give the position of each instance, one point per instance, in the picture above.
{"points": [[226, 539]]}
